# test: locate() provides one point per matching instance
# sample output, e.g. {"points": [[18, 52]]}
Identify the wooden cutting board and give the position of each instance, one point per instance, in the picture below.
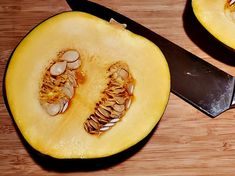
{"points": [[185, 143]]}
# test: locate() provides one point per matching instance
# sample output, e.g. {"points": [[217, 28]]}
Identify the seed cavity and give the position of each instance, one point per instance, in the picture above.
{"points": [[114, 102], [229, 9], [59, 82]]}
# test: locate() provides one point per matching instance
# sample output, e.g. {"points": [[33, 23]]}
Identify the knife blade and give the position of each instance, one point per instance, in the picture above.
{"points": [[199, 83]]}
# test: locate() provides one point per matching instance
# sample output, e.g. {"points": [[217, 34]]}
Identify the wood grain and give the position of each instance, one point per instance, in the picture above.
{"points": [[185, 143]]}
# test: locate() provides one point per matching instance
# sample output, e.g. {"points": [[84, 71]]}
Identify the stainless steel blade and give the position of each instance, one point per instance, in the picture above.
{"points": [[199, 83]]}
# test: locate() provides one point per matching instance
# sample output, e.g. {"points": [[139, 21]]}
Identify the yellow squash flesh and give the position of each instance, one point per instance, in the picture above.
{"points": [[100, 44], [213, 16]]}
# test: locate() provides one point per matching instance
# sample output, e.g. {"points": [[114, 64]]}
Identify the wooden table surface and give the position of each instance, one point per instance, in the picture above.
{"points": [[185, 143]]}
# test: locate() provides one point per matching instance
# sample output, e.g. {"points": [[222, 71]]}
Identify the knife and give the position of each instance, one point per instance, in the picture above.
{"points": [[199, 83]]}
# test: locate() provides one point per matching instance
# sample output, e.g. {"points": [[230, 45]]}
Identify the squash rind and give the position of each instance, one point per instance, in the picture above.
{"points": [[211, 14], [100, 44]]}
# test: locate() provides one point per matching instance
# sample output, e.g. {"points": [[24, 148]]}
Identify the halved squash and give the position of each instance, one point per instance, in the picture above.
{"points": [[218, 17], [101, 46]]}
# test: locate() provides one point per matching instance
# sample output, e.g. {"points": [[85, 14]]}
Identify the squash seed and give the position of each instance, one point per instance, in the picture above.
{"points": [[104, 128], [114, 120], [86, 126], [123, 73], [70, 56], [115, 116], [68, 92], [94, 118], [65, 107], [108, 109], [58, 68], [128, 103], [231, 2], [130, 88], [109, 103], [120, 100], [53, 109], [94, 124], [110, 124], [103, 121], [100, 116], [74, 65], [119, 108], [103, 112]]}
